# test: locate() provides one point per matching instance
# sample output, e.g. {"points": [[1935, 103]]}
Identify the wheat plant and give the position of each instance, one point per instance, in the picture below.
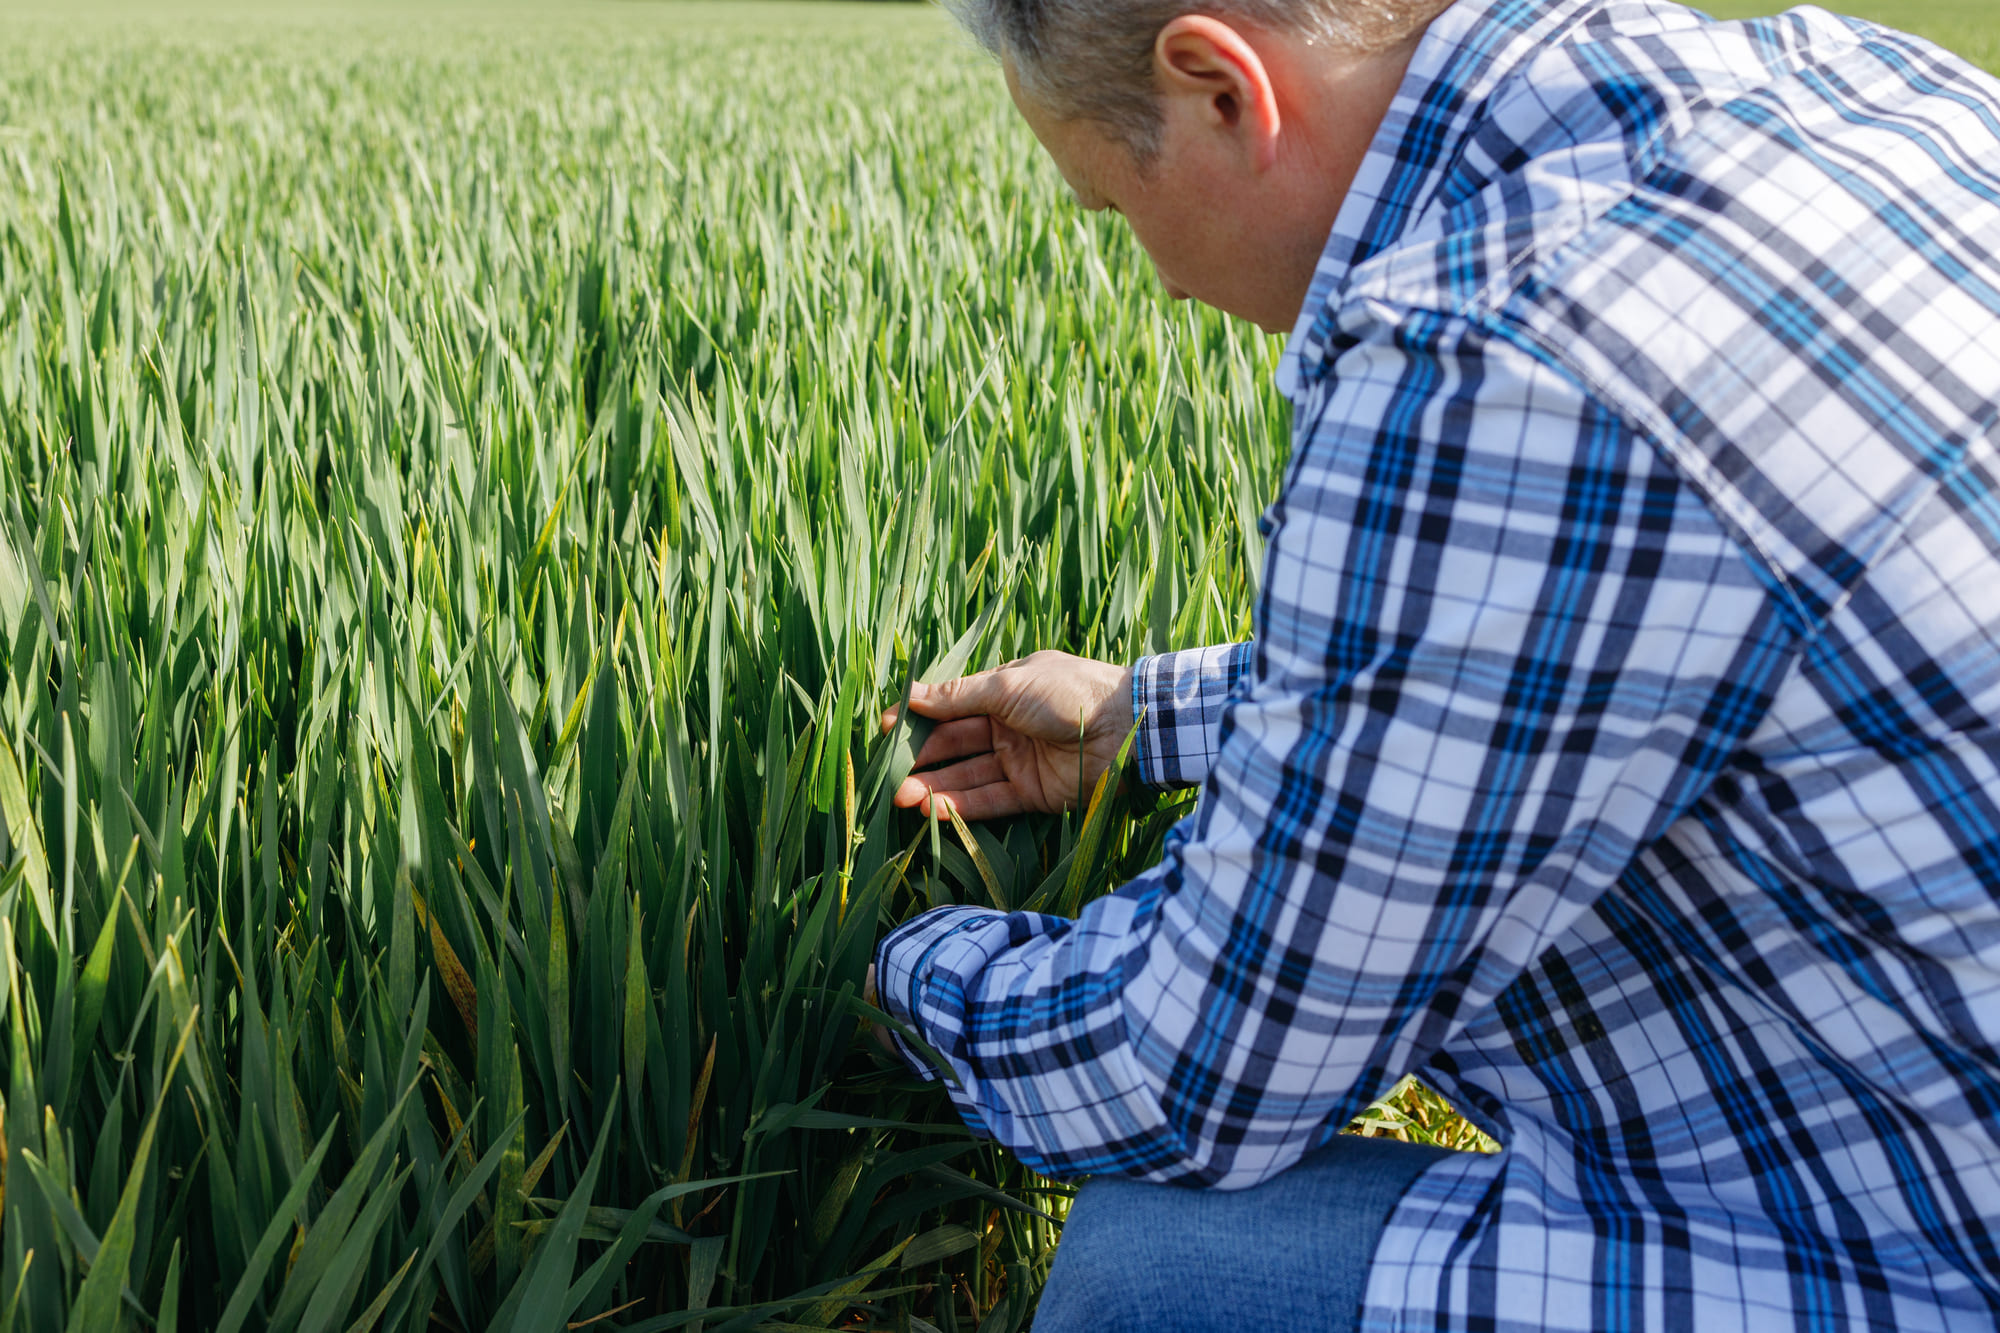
{"points": [[470, 480]]}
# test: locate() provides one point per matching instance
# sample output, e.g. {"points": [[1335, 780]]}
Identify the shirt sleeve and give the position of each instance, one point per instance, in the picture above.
{"points": [[1178, 699], [1500, 647]]}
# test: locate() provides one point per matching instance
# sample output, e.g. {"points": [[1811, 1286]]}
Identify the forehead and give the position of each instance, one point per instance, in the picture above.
{"points": [[1031, 108], [1076, 143]]}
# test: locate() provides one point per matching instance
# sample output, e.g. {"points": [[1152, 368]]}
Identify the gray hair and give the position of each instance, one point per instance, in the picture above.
{"points": [[1093, 59]]}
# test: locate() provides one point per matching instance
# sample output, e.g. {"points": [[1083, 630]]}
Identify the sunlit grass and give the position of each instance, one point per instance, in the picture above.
{"points": [[469, 483], [470, 477]]}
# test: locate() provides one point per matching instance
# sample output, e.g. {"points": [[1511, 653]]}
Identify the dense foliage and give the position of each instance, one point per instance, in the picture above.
{"points": [[468, 480], [469, 484]]}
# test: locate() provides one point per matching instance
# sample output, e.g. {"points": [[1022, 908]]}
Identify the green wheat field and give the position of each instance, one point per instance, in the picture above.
{"points": [[469, 478]]}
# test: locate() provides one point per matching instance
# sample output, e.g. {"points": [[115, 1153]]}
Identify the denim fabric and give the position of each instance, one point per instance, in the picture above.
{"points": [[1292, 1253]]}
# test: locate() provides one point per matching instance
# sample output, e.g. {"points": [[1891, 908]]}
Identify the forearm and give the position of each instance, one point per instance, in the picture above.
{"points": [[1029, 1013]]}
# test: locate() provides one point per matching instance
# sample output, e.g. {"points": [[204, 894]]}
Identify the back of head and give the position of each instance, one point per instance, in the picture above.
{"points": [[1094, 58]]}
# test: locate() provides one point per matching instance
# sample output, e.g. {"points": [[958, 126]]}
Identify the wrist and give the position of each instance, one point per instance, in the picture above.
{"points": [[1120, 709]]}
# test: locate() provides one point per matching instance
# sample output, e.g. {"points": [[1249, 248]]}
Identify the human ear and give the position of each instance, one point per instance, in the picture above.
{"points": [[1218, 70]]}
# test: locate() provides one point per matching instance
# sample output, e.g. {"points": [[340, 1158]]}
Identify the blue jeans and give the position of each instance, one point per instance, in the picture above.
{"points": [[1290, 1254]]}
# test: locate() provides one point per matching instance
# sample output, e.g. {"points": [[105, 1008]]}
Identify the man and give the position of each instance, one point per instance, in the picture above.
{"points": [[1614, 749]]}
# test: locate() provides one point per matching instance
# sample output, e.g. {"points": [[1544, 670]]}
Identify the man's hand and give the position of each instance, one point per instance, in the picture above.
{"points": [[1026, 736]]}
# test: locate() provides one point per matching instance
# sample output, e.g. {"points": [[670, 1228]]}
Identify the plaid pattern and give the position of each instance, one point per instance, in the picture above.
{"points": [[1181, 696], [1613, 750]]}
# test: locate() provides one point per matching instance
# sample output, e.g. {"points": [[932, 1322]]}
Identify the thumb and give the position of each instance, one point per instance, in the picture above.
{"points": [[968, 696]]}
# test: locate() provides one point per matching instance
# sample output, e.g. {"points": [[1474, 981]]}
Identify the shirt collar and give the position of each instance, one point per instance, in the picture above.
{"points": [[1467, 51]]}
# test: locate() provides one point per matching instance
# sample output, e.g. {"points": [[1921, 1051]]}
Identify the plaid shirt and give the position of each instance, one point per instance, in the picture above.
{"points": [[1613, 750]]}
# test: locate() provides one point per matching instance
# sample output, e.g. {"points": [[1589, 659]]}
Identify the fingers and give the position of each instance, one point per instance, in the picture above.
{"points": [[968, 696], [976, 772], [996, 800], [955, 740], [950, 740]]}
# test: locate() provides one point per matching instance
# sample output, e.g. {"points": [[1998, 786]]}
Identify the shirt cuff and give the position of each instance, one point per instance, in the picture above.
{"points": [[1179, 699], [899, 971]]}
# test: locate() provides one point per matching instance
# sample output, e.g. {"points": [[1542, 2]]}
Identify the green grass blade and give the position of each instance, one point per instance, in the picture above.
{"points": [[98, 1303]]}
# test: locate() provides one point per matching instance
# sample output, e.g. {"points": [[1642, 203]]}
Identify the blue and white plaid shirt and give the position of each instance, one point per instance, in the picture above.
{"points": [[1614, 749]]}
